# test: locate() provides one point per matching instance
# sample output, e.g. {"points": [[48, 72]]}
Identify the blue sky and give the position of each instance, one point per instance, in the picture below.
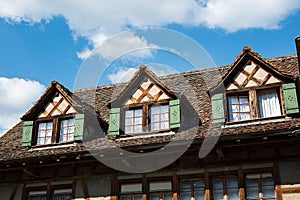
{"points": [[43, 41]]}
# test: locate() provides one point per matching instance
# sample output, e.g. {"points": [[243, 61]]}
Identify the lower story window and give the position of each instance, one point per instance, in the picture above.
{"points": [[192, 190], [260, 186], [62, 194], [37, 195], [226, 188], [160, 190], [131, 191], [56, 194]]}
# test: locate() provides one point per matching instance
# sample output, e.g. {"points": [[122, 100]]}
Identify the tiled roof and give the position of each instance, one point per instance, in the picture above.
{"points": [[194, 85]]}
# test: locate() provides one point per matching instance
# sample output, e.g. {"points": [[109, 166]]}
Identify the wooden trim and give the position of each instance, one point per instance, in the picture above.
{"points": [[175, 186], [207, 185], [278, 192], [49, 191], [114, 187], [13, 193], [241, 183], [85, 189], [74, 183], [254, 112], [145, 188], [24, 192]]}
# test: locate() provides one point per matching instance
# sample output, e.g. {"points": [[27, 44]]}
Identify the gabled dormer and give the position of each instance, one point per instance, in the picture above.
{"points": [[54, 119], [253, 89], [145, 105]]}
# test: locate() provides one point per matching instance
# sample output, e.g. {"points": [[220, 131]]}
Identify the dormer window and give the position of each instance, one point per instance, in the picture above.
{"points": [[44, 133], [253, 90], [159, 117], [147, 118], [67, 127], [253, 104], [238, 107], [134, 121], [146, 105], [54, 120]]}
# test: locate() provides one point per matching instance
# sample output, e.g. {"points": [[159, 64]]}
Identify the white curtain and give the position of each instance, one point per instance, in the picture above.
{"points": [[269, 105]]}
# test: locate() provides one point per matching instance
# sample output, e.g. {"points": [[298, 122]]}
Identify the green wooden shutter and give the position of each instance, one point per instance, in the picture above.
{"points": [[290, 98], [174, 113], [27, 133], [79, 124], [218, 114], [114, 121]]}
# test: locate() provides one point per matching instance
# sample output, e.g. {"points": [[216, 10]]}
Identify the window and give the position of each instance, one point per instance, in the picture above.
{"points": [[159, 117], [67, 130], [238, 108], [254, 104], [134, 121], [226, 188], [55, 193], [269, 105], [131, 191], [37, 195], [148, 118], [62, 194], [59, 130], [44, 133], [161, 190], [260, 186], [192, 189]]}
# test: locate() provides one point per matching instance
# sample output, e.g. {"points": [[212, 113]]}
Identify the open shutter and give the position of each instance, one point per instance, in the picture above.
{"points": [[174, 113], [79, 124], [114, 121], [27, 133], [290, 98], [218, 114]]}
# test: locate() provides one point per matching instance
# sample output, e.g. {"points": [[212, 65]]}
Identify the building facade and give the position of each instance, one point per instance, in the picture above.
{"points": [[229, 133]]}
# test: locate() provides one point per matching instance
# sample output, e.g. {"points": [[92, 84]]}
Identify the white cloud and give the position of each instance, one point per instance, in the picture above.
{"points": [[17, 96], [122, 75], [126, 44], [233, 15], [97, 20]]}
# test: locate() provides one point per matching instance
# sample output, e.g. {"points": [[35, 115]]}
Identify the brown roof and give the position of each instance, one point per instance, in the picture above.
{"points": [[194, 85]]}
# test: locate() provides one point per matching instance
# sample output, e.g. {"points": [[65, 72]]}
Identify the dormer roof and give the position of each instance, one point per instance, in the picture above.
{"points": [[144, 86], [250, 69], [56, 100]]}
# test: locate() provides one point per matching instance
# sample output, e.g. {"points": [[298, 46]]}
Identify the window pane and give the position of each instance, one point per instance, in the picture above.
{"points": [[129, 121], [138, 129], [165, 117], [233, 100], [129, 113], [128, 129], [164, 109], [164, 125], [42, 125], [155, 110], [42, 133], [138, 112], [138, 120], [48, 140], [155, 126], [155, 118]]}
